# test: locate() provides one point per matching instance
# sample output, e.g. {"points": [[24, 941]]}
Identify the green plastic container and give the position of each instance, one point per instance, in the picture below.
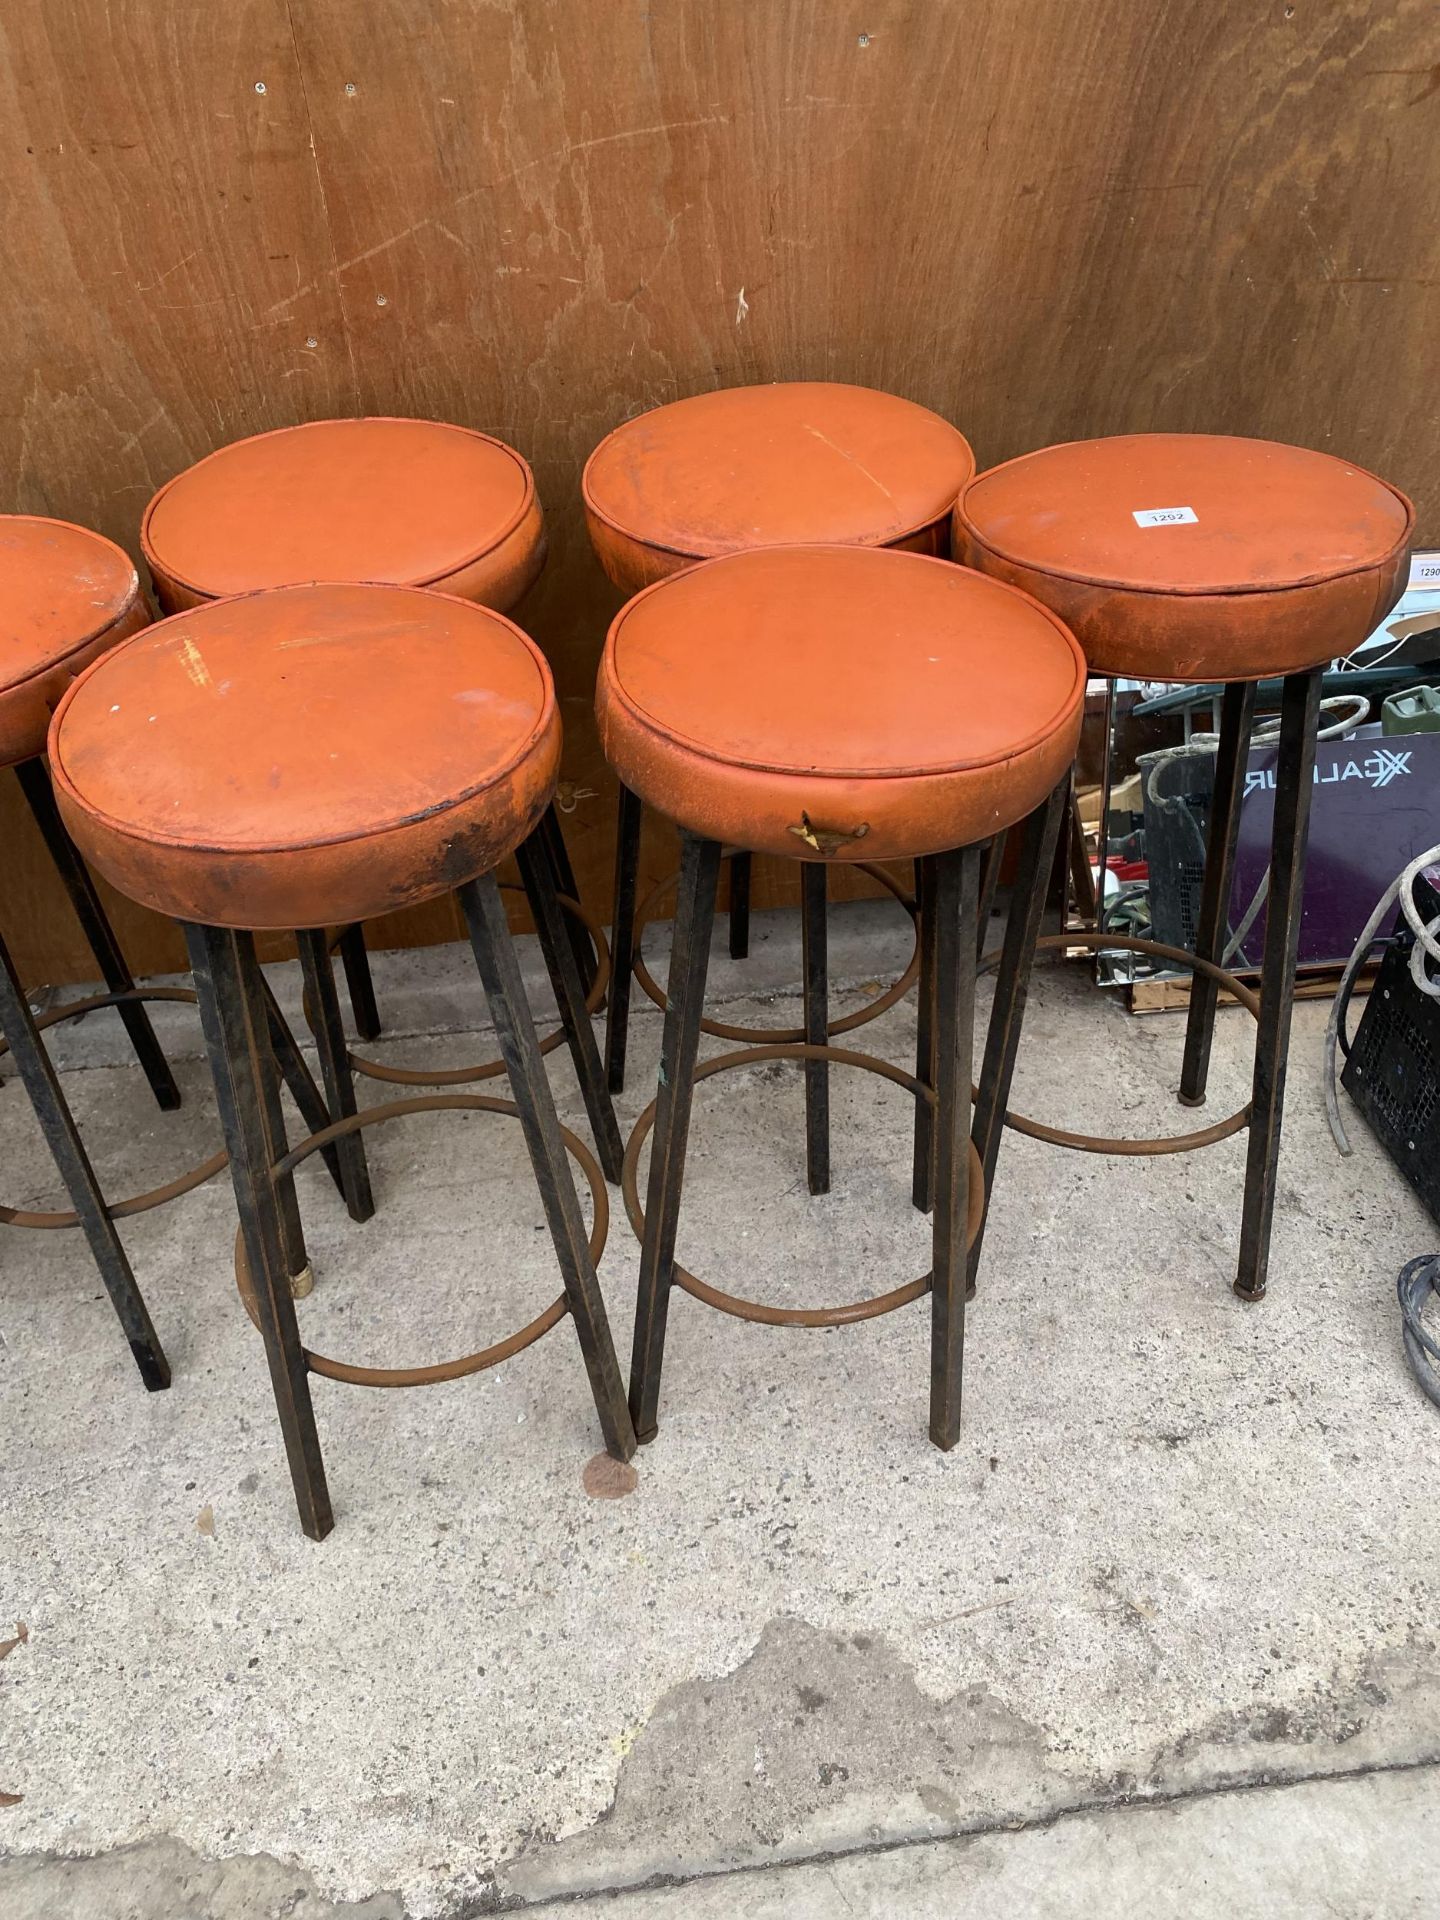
{"points": [[1416, 710]]}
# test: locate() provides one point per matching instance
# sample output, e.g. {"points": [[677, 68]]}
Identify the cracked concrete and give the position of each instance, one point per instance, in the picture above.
{"points": [[1356, 1847], [1184, 1545]]}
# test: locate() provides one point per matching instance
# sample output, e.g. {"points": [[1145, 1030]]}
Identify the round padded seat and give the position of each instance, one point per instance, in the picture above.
{"points": [[307, 755], [412, 503], [839, 702], [780, 465], [1183, 556], [66, 595]]}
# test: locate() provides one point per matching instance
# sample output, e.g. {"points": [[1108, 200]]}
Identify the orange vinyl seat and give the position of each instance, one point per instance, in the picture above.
{"points": [[66, 596], [307, 755], [412, 503], [1193, 557], [789, 464], [839, 703]]}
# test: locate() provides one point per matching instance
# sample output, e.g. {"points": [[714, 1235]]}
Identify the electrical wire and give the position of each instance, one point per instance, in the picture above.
{"points": [[1418, 1280], [1267, 731]]}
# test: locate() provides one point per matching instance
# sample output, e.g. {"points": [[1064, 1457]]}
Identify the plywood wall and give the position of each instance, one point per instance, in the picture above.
{"points": [[1044, 219]]}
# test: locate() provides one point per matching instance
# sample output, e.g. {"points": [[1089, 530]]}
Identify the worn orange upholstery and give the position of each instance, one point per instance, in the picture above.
{"points": [[1186, 556], [411, 503], [307, 755], [771, 466], [839, 702], [66, 595]]}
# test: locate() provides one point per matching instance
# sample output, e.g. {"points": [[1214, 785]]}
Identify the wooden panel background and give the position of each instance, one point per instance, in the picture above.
{"points": [[1042, 218]]}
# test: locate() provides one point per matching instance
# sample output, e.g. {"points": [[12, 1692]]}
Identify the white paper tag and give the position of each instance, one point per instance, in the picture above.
{"points": [[1166, 517], [1425, 570]]}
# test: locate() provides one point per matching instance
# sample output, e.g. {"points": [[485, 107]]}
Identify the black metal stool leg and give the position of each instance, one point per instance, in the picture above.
{"points": [[814, 877], [359, 984], [685, 997], [505, 991], [319, 978], [920, 1183], [622, 937], [99, 934], [536, 872], [741, 864], [991, 861], [68, 1151], [234, 1015], [1237, 717], [563, 876], [957, 886], [1040, 835], [1294, 782], [287, 1199], [298, 1078]]}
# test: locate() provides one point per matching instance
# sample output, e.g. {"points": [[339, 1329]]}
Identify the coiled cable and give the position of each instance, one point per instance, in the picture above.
{"points": [[1418, 1280]]}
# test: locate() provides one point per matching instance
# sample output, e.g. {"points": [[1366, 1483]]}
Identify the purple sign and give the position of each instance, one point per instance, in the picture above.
{"points": [[1376, 806]]}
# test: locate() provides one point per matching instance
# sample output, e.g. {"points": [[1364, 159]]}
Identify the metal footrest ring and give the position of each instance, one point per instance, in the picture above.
{"points": [[847, 1023], [493, 1069], [754, 1310], [486, 1356], [139, 1202], [1170, 1143]]}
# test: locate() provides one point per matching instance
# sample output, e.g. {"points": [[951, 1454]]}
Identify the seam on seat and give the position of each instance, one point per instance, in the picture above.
{"points": [[1197, 593], [58, 660], [1194, 593], [548, 711], [686, 553], [721, 553], [528, 495], [1012, 750]]}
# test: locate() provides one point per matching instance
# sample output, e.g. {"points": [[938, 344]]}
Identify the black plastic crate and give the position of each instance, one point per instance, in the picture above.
{"points": [[1393, 1072]]}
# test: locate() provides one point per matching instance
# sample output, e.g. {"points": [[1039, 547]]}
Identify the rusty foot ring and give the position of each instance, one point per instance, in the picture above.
{"points": [[1171, 1143], [492, 1069], [872, 1009], [471, 1362], [140, 1202], [796, 1316]]}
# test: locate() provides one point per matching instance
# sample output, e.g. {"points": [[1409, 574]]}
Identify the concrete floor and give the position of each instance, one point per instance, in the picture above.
{"points": [[1183, 1553]]}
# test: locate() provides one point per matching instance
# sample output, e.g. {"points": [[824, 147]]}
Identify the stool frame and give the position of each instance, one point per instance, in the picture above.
{"points": [[355, 956], [234, 1011], [89, 910], [62, 1136], [630, 917], [21, 1034], [1272, 1009], [942, 1086], [629, 822]]}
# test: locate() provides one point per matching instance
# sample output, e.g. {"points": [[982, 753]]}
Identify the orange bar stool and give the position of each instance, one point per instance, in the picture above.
{"points": [[67, 596], [313, 754], [816, 703], [1202, 558], [794, 463], [413, 503]]}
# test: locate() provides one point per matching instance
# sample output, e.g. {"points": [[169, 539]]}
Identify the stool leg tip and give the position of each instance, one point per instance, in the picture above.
{"points": [[154, 1367], [1247, 1293], [302, 1284], [1191, 1099]]}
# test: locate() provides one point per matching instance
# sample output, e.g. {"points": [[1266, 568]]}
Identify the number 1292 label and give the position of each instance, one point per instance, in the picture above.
{"points": [[1166, 517]]}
